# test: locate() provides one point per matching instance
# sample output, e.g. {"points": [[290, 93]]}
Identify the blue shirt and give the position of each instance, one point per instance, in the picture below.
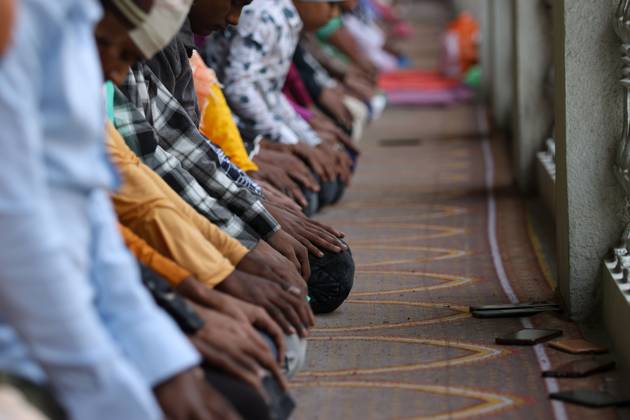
{"points": [[72, 309]]}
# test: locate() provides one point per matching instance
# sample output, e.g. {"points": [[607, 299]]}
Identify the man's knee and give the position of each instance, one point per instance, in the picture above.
{"points": [[332, 277], [327, 193], [341, 188], [295, 355], [244, 398], [312, 199]]}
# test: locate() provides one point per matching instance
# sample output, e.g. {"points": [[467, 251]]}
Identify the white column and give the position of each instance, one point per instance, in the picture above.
{"points": [[502, 52], [588, 110], [532, 108]]}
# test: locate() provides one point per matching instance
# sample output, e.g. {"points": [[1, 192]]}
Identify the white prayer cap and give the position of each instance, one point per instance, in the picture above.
{"points": [[133, 12], [163, 23]]}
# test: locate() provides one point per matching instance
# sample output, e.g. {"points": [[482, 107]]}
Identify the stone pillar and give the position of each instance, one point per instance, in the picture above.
{"points": [[588, 111], [532, 109], [487, 35], [501, 53]]}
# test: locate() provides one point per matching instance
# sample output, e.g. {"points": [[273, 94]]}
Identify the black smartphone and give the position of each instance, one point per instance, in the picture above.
{"points": [[511, 313], [512, 306], [528, 337], [589, 398]]}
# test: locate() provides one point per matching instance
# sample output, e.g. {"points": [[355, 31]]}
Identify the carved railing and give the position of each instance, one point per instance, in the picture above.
{"points": [[547, 156], [550, 143], [622, 159], [546, 165], [618, 260]]}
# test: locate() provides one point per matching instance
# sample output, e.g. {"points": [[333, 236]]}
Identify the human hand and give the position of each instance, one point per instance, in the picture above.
{"points": [[366, 69], [278, 177], [315, 224], [360, 88], [328, 130], [266, 144], [327, 137], [197, 292], [266, 262], [328, 156], [292, 313], [187, 396], [295, 168], [316, 160], [236, 348], [343, 163], [321, 122], [332, 100], [346, 141], [272, 195], [312, 235], [7, 20], [239, 310], [257, 317], [291, 248]]}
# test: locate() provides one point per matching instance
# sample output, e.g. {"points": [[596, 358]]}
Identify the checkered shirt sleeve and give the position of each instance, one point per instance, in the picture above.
{"points": [[141, 138]]}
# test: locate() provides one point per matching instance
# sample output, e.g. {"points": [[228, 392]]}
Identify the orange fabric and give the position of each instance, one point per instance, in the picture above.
{"points": [[467, 30], [216, 117], [163, 266], [203, 78], [152, 210]]}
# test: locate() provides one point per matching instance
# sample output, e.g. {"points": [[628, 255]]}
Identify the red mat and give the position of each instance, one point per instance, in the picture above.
{"points": [[419, 87], [416, 80]]}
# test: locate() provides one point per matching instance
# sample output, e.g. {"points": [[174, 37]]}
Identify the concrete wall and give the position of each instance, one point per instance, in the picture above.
{"points": [[588, 110], [502, 52], [532, 110]]}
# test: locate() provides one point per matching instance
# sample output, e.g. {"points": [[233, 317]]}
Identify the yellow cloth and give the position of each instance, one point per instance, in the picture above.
{"points": [[153, 211], [169, 270], [217, 123]]}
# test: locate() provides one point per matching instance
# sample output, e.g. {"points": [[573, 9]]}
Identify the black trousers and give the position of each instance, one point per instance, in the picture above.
{"points": [[312, 198], [40, 397], [248, 402], [330, 193], [245, 399]]}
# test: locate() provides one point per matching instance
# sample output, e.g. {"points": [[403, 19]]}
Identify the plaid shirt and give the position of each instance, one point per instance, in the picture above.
{"points": [[176, 124], [149, 125]]}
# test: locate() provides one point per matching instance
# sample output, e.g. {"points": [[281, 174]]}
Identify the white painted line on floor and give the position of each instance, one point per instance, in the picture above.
{"points": [[492, 223], [558, 408]]}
